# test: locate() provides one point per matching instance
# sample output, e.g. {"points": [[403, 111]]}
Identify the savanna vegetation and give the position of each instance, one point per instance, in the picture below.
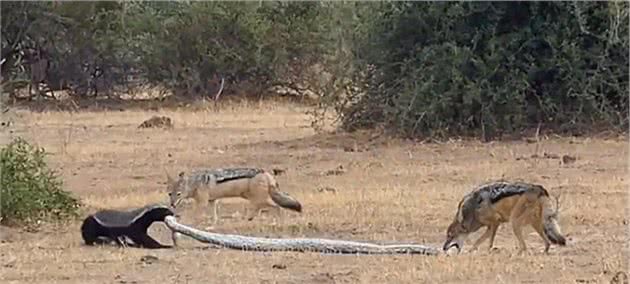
{"points": [[30, 191], [415, 68]]}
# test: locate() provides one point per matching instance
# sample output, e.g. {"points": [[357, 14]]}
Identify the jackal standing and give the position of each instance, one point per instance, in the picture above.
{"points": [[495, 203], [206, 186]]}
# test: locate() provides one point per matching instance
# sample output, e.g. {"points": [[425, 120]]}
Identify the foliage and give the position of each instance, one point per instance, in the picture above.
{"points": [[441, 68], [95, 47], [29, 190], [417, 68]]}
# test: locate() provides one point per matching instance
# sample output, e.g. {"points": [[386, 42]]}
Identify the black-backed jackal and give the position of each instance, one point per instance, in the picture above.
{"points": [[495, 203], [206, 186]]}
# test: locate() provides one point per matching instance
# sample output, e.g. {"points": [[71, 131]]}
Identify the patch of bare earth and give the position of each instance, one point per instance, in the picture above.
{"points": [[351, 186]]}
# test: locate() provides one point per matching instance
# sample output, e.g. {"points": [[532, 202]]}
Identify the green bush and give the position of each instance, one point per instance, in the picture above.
{"points": [[29, 190], [101, 47], [490, 68]]}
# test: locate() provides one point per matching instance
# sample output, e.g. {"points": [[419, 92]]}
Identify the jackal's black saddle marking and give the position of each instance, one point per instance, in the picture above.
{"points": [[222, 175], [125, 228]]}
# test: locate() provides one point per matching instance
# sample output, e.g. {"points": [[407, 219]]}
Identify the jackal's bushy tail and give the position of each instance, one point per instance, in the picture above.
{"points": [[281, 198], [284, 200], [550, 222]]}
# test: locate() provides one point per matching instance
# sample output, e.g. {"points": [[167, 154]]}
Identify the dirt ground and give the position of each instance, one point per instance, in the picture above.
{"points": [[387, 190]]}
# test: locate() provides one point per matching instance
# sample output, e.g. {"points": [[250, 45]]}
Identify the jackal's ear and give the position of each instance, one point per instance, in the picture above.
{"points": [[168, 176]]}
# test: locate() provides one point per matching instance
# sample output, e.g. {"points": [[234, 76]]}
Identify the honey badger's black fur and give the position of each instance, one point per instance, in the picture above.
{"points": [[121, 227]]}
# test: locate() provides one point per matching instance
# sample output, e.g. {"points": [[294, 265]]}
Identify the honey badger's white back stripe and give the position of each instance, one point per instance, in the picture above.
{"points": [[113, 218]]}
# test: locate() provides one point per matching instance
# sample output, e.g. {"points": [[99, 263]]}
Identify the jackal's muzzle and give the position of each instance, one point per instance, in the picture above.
{"points": [[449, 244], [456, 242], [175, 198]]}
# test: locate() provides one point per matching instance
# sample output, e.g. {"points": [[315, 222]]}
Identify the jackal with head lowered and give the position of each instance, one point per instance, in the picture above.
{"points": [[206, 186], [499, 202]]}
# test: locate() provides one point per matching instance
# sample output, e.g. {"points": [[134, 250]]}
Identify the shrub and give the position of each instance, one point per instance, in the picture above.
{"points": [[490, 68], [29, 190]]}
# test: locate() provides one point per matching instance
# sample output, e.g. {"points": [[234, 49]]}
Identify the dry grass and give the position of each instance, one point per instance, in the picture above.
{"points": [[394, 191]]}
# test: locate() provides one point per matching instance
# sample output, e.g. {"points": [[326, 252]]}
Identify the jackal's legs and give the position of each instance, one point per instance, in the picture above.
{"points": [[494, 234], [255, 210], [278, 215], [490, 233], [492, 219], [215, 210], [518, 218], [517, 227], [199, 212], [483, 237]]}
